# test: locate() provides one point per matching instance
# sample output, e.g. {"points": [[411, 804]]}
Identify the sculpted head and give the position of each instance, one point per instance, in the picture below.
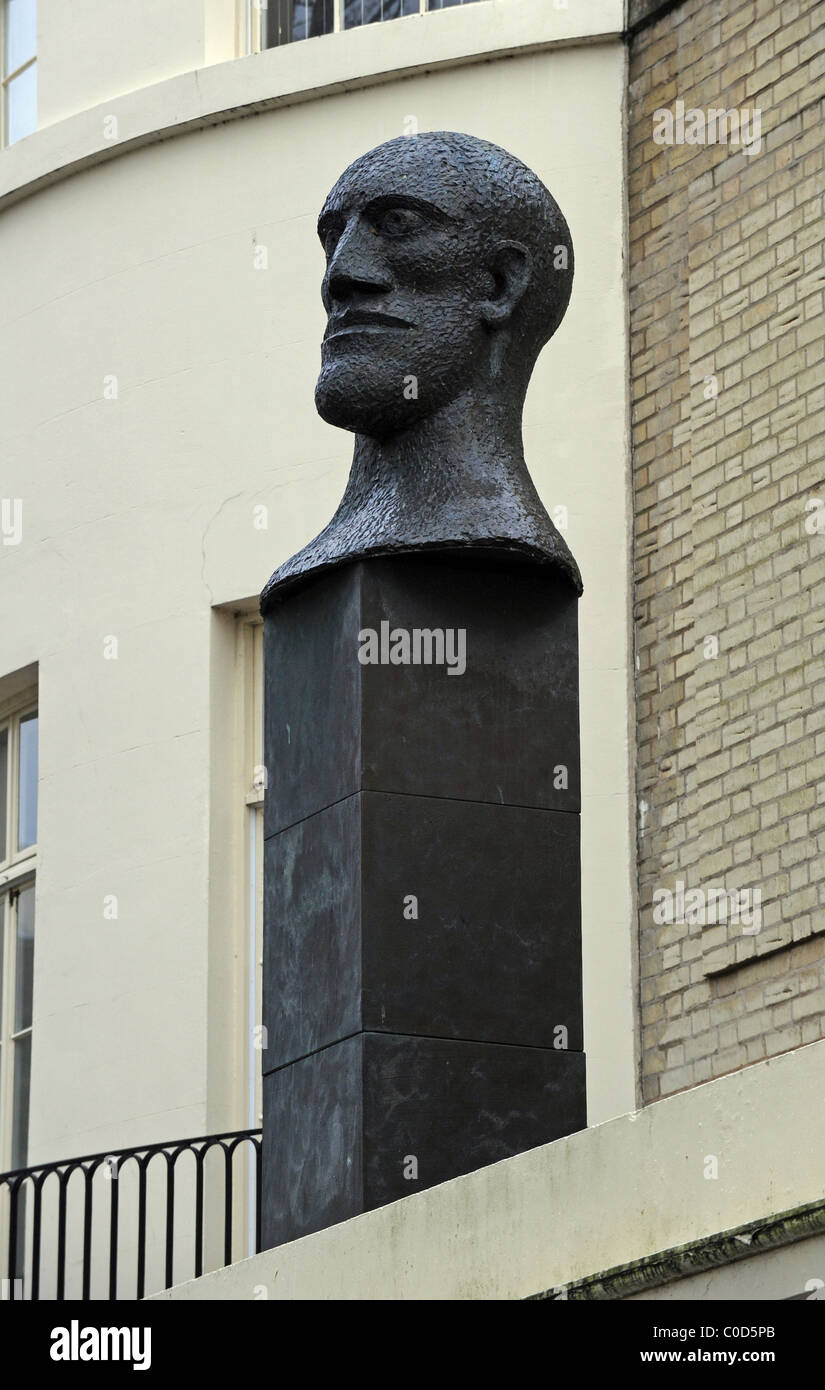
{"points": [[449, 266]]}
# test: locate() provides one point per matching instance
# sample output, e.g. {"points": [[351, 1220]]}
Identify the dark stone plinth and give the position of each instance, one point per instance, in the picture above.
{"points": [[489, 949], [500, 732], [344, 1125], [422, 955]]}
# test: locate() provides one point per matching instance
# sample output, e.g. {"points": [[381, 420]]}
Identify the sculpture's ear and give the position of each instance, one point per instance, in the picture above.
{"points": [[509, 267]]}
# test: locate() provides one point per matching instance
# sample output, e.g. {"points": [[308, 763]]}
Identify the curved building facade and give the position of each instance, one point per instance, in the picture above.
{"points": [[162, 326], [162, 169]]}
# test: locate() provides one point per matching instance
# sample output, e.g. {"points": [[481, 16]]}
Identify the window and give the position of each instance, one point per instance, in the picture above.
{"points": [[252, 635], [18, 861], [18, 69], [289, 20]]}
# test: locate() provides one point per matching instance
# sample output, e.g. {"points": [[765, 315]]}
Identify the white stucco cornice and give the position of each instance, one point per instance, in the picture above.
{"points": [[299, 72]]}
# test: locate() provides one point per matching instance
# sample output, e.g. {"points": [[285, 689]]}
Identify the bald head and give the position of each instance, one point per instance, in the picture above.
{"points": [[449, 264]]}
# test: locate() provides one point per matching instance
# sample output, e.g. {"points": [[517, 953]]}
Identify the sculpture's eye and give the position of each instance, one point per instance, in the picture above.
{"points": [[396, 222]]}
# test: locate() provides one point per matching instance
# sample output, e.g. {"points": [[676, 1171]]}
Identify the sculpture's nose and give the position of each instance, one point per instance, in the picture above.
{"points": [[355, 267]]}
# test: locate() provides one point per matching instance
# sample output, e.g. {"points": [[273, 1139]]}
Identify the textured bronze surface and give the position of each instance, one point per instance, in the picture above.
{"points": [[449, 266]]}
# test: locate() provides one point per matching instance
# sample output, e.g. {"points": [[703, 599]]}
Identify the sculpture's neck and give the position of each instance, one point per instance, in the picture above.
{"points": [[455, 480], [466, 460]]}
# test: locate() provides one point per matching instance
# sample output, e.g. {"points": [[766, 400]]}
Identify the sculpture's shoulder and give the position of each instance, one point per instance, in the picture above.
{"points": [[547, 551]]}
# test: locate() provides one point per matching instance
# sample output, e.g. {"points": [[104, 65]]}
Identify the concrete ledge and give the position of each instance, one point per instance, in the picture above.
{"points": [[597, 1200], [303, 71], [681, 1265]]}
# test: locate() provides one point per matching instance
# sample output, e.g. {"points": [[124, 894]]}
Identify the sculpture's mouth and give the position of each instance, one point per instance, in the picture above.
{"points": [[358, 321]]}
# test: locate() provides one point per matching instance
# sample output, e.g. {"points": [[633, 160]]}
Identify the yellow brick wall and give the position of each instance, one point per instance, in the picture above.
{"points": [[726, 295]]}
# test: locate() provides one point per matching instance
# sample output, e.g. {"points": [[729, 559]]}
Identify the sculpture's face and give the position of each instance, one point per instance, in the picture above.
{"points": [[404, 282]]}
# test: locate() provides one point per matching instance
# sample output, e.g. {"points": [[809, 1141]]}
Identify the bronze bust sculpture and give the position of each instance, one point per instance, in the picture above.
{"points": [[422, 982], [449, 266]]}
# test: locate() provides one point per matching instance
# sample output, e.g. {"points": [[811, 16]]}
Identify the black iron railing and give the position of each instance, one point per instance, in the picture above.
{"points": [[58, 1246]]}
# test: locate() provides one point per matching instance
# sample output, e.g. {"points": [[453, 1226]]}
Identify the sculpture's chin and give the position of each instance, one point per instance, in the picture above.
{"points": [[348, 401], [336, 406]]}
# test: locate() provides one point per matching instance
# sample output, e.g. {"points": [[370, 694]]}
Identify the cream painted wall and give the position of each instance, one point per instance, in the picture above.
{"points": [[93, 51], [90, 51], [138, 520]]}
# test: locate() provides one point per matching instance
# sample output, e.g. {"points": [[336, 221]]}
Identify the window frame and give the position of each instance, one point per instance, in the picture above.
{"points": [[10, 1036], [6, 78], [249, 785], [12, 715], [251, 637], [256, 9], [17, 872], [250, 18]]}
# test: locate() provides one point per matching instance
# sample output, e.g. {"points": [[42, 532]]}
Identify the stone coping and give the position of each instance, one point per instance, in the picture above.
{"points": [[632, 1200], [696, 1256], [297, 72]]}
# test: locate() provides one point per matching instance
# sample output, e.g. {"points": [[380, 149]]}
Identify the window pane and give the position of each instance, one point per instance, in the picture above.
{"points": [[446, 4], [21, 33], [4, 796], [358, 12], [287, 20], [24, 959], [20, 1102], [21, 105], [27, 794]]}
